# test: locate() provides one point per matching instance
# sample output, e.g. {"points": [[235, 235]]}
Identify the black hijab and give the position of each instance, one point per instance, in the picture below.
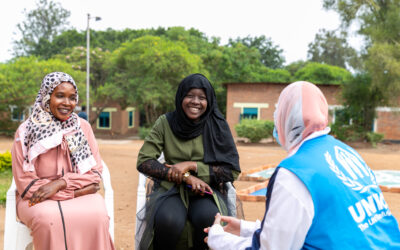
{"points": [[219, 147]]}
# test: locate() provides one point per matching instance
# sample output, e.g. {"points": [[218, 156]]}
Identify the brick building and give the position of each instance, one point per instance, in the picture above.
{"points": [[258, 100], [113, 122]]}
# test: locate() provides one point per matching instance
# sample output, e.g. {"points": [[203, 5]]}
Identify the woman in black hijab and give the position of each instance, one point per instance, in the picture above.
{"points": [[200, 158]]}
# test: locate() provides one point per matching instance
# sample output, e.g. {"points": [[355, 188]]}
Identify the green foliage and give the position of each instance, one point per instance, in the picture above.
{"points": [[348, 133], [332, 49], [374, 138], [143, 132], [383, 65], [5, 183], [277, 75], [99, 70], [355, 133], [295, 66], [360, 98], [379, 23], [270, 55], [20, 80], [5, 161], [39, 28], [323, 73], [147, 72], [254, 130]]}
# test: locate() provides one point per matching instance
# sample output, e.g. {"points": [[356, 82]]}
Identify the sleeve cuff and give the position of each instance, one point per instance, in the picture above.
{"points": [[66, 179], [247, 228]]}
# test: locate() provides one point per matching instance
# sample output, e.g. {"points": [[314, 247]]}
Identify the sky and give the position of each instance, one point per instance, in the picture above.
{"points": [[291, 24]]}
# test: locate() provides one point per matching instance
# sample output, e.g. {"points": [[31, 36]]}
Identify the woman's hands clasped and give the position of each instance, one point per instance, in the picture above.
{"points": [[89, 189], [51, 188], [46, 191], [176, 171]]}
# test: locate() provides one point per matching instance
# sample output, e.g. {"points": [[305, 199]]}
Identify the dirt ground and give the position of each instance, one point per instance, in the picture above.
{"points": [[121, 155]]}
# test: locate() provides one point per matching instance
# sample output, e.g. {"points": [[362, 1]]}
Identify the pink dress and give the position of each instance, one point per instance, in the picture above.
{"points": [[62, 221]]}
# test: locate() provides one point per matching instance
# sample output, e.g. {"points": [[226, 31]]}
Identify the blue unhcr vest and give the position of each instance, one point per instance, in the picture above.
{"points": [[350, 211]]}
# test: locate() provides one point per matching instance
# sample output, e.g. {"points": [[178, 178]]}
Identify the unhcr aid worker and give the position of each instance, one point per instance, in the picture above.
{"points": [[321, 196]]}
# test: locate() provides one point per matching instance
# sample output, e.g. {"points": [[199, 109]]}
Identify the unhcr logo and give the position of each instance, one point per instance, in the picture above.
{"points": [[353, 171]]}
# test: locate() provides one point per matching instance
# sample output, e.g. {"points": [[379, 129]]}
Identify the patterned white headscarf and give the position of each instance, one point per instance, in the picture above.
{"points": [[43, 131], [302, 110]]}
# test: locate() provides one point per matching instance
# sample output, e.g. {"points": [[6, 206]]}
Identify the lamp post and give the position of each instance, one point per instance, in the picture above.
{"points": [[88, 63]]}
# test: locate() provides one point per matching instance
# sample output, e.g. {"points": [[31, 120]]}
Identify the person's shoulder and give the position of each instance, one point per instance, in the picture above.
{"points": [[84, 124], [161, 120], [162, 117], [21, 128]]}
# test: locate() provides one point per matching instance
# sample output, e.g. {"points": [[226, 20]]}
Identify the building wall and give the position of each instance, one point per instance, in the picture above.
{"points": [[119, 121], [388, 123], [264, 95]]}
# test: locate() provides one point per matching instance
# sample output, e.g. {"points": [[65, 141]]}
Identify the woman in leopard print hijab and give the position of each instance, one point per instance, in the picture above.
{"points": [[57, 170], [44, 130]]}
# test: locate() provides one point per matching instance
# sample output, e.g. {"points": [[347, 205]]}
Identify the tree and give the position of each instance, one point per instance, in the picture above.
{"points": [[296, 66], [20, 80], [379, 23], [270, 54], [99, 71], [322, 73], [354, 94], [147, 71], [332, 49], [40, 27]]}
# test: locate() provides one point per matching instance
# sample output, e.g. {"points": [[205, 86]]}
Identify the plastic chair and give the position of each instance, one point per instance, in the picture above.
{"points": [[17, 236]]}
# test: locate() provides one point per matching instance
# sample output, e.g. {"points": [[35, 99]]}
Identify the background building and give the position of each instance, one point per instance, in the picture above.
{"points": [[258, 101]]}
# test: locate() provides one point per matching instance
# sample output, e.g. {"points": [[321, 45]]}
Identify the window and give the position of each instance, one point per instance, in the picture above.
{"points": [[17, 114], [104, 120], [130, 119], [249, 113]]}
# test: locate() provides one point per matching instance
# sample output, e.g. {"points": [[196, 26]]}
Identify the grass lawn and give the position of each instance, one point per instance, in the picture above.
{"points": [[5, 182]]}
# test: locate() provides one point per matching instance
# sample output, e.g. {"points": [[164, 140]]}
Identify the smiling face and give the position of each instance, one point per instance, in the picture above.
{"points": [[63, 101], [194, 104]]}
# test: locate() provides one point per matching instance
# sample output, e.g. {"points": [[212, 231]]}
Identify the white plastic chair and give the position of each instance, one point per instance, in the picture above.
{"points": [[17, 236], [141, 194]]}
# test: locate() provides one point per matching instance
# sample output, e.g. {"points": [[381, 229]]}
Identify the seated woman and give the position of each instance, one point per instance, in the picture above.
{"points": [[57, 169], [200, 157], [322, 196]]}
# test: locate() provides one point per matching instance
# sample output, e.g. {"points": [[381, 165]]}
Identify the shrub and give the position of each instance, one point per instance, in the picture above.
{"points": [[348, 133], [374, 138], [5, 161], [143, 132], [322, 73], [254, 130], [5, 182], [351, 133]]}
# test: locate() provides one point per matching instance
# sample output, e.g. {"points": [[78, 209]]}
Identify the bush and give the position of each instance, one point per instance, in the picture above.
{"points": [[143, 132], [322, 73], [254, 130], [352, 133], [348, 133], [374, 138], [5, 182], [5, 161]]}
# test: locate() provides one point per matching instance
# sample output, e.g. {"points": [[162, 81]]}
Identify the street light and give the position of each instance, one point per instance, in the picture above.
{"points": [[88, 62]]}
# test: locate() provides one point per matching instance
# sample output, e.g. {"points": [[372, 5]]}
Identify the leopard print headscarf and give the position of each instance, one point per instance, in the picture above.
{"points": [[43, 131]]}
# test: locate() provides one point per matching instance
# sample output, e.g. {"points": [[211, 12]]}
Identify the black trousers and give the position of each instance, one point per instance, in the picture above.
{"points": [[171, 217]]}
